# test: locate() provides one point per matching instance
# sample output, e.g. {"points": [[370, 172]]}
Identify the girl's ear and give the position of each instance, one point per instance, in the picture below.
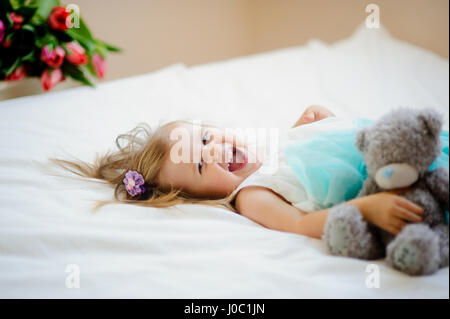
{"points": [[360, 139]]}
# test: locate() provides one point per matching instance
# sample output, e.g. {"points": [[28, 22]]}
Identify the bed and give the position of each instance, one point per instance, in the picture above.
{"points": [[48, 233]]}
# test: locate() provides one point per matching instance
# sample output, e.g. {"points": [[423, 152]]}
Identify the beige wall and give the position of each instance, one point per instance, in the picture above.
{"points": [[289, 22], [157, 33]]}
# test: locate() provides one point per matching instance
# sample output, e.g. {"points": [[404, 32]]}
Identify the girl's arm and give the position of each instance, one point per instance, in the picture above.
{"points": [[385, 210], [312, 114]]}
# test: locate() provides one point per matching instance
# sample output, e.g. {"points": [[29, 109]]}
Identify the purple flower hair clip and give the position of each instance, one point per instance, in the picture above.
{"points": [[134, 183]]}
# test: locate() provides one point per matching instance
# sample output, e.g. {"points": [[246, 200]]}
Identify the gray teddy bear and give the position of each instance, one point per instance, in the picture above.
{"points": [[398, 149]]}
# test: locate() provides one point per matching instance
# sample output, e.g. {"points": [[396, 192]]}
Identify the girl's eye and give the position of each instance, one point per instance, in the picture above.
{"points": [[200, 166], [206, 138]]}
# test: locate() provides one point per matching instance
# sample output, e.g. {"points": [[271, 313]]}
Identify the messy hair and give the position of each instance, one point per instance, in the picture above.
{"points": [[142, 150]]}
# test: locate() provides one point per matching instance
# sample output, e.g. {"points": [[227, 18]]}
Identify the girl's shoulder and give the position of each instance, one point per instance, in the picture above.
{"points": [[281, 181]]}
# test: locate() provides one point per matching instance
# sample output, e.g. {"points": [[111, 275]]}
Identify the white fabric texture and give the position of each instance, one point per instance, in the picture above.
{"points": [[195, 251]]}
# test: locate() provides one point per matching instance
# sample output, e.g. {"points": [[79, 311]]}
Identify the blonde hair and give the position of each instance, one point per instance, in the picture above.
{"points": [[144, 154]]}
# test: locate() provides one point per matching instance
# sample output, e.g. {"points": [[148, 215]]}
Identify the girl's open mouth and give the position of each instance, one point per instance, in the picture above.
{"points": [[238, 161]]}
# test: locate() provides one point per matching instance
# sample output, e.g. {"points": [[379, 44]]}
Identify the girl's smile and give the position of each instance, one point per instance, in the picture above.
{"points": [[239, 160]]}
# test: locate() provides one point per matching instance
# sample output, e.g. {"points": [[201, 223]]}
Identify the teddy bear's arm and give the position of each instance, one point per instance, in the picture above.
{"points": [[369, 187], [437, 181]]}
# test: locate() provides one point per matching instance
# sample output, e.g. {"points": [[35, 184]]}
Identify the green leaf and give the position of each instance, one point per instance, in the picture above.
{"points": [[76, 73], [8, 22], [83, 36], [15, 4], [37, 20], [48, 39], [109, 47], [85, 42], [13, 66], [102, 51], [10, 36], [28, 57], [90, 68], [84, 30], [26, 10], [29, 27], [45, 7]]}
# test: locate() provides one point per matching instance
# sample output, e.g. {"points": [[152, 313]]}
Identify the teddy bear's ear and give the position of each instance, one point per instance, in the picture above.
{"points": [[360, 139], [432, 120]]}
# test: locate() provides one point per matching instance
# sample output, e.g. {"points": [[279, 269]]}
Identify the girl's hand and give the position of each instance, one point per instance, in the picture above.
{"points": [[312, 114], [390, 211]]}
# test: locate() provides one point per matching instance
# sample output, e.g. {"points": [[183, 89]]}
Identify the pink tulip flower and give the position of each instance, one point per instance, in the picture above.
{"points": [[50, 78], [53, 58], [76, 53], [99, 65], [17, 74]]}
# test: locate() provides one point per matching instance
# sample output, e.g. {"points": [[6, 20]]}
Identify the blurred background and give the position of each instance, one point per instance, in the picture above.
{"points": [[158, 33]]}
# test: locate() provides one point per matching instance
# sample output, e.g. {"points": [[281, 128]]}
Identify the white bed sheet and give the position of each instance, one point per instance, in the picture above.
{"points": [[193, 251]]}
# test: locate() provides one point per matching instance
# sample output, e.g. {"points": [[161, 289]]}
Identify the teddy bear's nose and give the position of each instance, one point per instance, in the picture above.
{"points": [[396, 175]]}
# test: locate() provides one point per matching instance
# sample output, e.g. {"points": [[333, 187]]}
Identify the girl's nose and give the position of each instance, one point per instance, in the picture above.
{"points": [[213, 152], [218, 152]]}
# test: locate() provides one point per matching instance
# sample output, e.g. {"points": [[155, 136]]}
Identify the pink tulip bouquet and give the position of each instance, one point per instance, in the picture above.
{"points": [[44, 39]]}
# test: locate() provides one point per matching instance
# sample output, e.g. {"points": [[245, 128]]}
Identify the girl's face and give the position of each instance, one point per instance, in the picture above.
{"points": [[218, 162]]}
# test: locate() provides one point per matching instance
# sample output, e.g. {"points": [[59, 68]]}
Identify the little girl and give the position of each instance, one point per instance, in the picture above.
{"points": [[144, 172]]}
